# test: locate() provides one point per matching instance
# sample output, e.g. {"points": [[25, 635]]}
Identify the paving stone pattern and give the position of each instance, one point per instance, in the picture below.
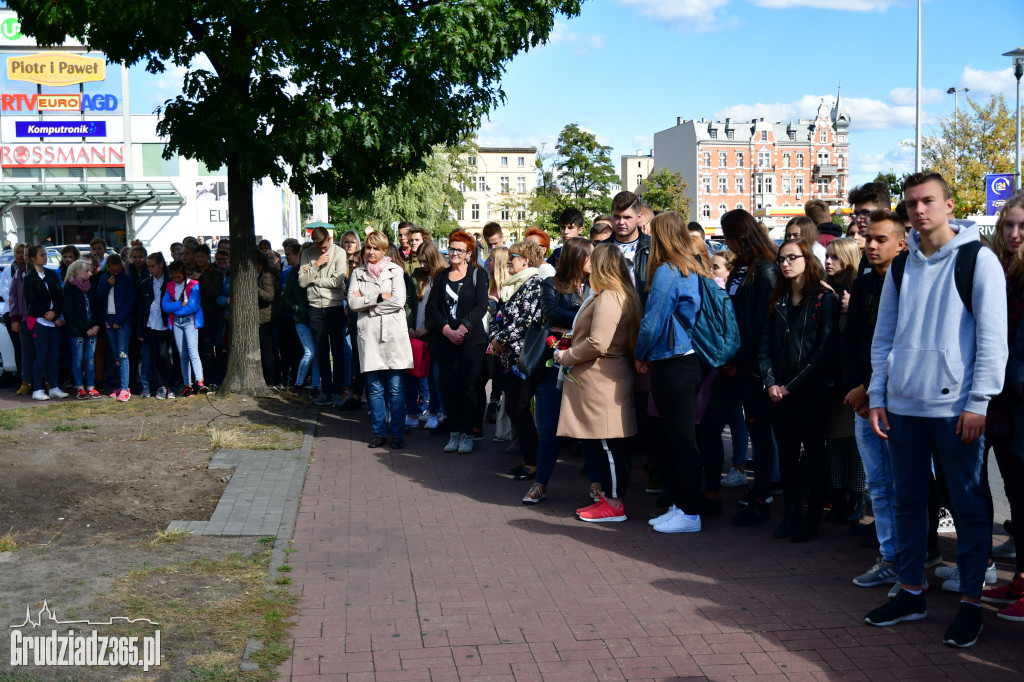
{"points": [[422, 565]]}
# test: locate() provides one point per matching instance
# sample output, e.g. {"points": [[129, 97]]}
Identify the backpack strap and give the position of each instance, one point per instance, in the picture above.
{"points": [[963, 273], [899, 264]]}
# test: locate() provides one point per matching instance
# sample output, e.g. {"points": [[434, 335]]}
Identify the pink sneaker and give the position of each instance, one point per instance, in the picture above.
{"points": [[123, 396], [1014, 611], [603, 513]]}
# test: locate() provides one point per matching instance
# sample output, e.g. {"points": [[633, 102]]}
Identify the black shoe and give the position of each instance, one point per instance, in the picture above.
{"points": [[855, 510], [709, 507], [491, 415], [517, 469], [753, 514], [377, 442], [526, 474], [904, 606], [351, 404], [807, 530], [477, 434], [397, 443], [865, 529], [840, 502], [790, 522], [966, 626]]}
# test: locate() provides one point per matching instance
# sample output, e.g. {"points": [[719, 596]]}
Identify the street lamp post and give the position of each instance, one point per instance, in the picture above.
{"points": [[1018, 71], [956, 126]]}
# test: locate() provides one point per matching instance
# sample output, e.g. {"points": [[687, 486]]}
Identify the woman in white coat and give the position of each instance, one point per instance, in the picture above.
{"points": [[377, 294]]}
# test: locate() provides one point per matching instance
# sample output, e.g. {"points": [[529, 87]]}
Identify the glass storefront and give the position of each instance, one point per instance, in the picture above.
{"points": [[75, 225]]}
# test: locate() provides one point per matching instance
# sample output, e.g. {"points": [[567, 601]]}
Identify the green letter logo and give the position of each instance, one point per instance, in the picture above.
{"points": [[10, 29]]}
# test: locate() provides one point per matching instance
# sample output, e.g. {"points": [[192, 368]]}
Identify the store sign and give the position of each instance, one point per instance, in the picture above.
{"points": [[998, 190], [10, 29], [61, 155], [56, 68], [78, 102], [60, 129]]}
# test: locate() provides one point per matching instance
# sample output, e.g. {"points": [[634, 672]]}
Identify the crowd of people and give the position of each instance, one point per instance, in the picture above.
{"points": [[875, 363]]}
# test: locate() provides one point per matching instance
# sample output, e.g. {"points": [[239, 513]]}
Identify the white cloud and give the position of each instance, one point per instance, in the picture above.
{"points": [[865, 166], [865, 113], [985, 83], [842, 5], [699, 15], [908, 96], [580, 44], [645, 143], [492, 134]]}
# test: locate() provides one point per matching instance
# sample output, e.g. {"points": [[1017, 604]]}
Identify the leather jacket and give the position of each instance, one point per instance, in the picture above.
{"points": [[750, 303], [559, 309], [643, 255], [798, 346]]}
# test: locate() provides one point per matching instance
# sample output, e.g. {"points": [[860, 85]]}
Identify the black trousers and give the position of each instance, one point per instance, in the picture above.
{"points": [[802, 417], [160, 359], [518, 393], [611, 456], [328, 327], [674, 385], [460, 367], [269, 355], [291, 349]]}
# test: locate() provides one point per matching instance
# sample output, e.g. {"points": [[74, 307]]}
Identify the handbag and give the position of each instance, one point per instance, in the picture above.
{"points": [[534, 357], [503, 430], [420, 359]]}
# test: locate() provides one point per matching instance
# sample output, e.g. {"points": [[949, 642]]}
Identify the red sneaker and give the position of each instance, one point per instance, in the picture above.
{"points": [[1004, 594], [93, 393], [603, 513], [1014, 611], [593, 506]]}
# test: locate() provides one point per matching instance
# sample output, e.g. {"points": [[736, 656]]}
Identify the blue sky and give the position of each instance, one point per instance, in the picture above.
{"points": [[626, 69]]}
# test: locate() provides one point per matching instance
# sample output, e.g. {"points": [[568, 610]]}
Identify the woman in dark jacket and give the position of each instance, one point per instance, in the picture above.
{"points": [[115, 300], [457, 304], [268, 286], [293, 297], [43, 298], [560, 299], [153, 330], [82, 326], [750, 284], [796, 353]]}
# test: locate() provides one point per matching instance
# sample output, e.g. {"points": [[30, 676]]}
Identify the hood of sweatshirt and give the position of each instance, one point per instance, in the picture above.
{"points": [[965, 231]]}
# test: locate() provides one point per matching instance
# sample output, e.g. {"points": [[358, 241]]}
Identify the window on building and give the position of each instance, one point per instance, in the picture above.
{"points": [[472, 183], [739, 184], [714, 134], [786, 185], [799, 160], [639, 179], [799, 186], [723, 184], [769, 185], [722, 208], [474, 214], [706, 211], [470, 160], [521, 214], [64, 174], [155, 165], [521, 184], [705, 184], [462, 186], [105, 173], [522, 162], [764, 159], [785, 160], [504, 161], [739, 159], [707, 159], [481, 183], [824, 186], [461, 215], [22, 174], [823, 158], [731, 134], [723, 159], [739, 205], [824, 136], [504, 184], [799, 206], [504, 214], [488, 211], [792, 134], [764, 136], [758, 184]]}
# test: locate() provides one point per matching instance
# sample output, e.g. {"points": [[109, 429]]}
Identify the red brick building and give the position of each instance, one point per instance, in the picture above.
{"points": [[757, 164]]}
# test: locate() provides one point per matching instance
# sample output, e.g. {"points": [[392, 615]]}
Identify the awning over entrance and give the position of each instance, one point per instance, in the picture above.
{"points": [[120, 196]]}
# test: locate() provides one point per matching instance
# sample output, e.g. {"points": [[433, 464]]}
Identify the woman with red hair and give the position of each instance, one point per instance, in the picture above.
{"points": [[539, 236], [457, 305]]}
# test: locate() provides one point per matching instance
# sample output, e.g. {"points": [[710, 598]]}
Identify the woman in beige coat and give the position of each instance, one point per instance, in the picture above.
{"points": [[599, 409], [377, 294]]}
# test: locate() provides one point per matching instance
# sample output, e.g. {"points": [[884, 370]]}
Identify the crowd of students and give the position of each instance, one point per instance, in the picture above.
{"points": [[877, 366]]}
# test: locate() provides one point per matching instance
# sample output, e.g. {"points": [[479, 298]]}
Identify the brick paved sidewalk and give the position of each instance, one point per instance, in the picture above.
{"points": [[423, 565]]}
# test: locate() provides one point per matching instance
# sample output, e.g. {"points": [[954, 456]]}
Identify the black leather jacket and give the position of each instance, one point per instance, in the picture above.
{"points": [[800, 354], [643, 255], [559, 309], [750, 303]]}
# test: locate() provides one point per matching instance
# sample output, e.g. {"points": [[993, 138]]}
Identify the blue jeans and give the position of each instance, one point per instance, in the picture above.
{"points": [[434, 384], [415, 394], [186, 338], [120, 339], [46, 364], [380, 406], [874, 453], [83, 348], [547, 406], [308, 360], [912, 442]]}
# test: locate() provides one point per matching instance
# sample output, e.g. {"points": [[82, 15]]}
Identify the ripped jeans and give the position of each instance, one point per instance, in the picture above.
{"points": [[120, 339]]}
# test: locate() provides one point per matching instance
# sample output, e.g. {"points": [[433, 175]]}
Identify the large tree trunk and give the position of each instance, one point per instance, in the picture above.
{"points": [[245, 371]]}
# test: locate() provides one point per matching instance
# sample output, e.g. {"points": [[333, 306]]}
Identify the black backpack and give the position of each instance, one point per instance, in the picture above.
{"points": [[963, 272]]}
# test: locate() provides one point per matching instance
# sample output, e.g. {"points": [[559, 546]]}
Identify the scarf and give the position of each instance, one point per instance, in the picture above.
{"points": [[512, 284], [375, 269], [82, 286]]}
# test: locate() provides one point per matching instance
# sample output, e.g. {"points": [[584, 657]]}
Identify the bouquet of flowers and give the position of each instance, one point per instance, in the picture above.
{"points": [[562, 344]]}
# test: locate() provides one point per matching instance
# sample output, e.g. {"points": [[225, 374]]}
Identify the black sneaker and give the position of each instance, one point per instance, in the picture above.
{"points": [[477, 434], [904, 606], [754, 513], [491, 415], [965, 628]]}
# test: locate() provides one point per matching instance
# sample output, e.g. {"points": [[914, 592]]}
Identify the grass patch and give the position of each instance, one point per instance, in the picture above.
{"points": [[209, 610], [67, 428], [167, 537], [8, 543], [10, 419], [255, 437]]}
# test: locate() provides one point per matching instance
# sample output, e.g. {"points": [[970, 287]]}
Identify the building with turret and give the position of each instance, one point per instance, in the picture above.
{"points": [[759, 165]]}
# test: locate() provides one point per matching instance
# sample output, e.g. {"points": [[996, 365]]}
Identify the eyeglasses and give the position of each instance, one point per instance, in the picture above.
{"points": [[862, 214], [788, 260], [456, 252], [514, 255]]}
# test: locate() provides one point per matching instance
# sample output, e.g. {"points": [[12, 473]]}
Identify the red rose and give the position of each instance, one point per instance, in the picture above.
{"points": [[550, 341]]}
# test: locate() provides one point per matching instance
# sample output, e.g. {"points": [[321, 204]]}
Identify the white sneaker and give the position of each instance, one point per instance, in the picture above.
{"points": [[951, 577], [658, 519], [40, 395], [454, 442], [679, 523], [412, 423], [57, 393], [734, 479], [467, 444], [431, 422]]}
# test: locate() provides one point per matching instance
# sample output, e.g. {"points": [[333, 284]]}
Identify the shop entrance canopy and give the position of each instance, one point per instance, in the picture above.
{"points": [[121, 196]]}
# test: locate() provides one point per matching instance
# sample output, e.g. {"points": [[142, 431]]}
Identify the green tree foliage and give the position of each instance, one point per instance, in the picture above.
{"points": [[894, 183], [340, 95], [583, 170], [665, 190], [980, 140]]}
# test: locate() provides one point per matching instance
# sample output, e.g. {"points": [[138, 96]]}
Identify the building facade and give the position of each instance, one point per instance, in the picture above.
{"points": [[758, 165], [77, 165], [634, 169], [500, 183]]}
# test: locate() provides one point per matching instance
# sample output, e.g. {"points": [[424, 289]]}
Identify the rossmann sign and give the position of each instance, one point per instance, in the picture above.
{"points": [[61, 155], [46, 102]]}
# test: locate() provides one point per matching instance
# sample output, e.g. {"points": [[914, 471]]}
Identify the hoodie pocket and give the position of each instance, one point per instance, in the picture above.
{"points": [[926, 375]]}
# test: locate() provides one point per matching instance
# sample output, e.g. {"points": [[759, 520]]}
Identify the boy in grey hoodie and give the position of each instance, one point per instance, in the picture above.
{"points": [[935, 366]]}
